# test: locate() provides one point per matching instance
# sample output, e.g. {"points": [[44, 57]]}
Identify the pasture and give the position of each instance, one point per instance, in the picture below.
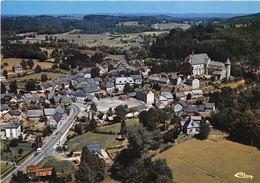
{"points": [[59, 165], [195, 161]]}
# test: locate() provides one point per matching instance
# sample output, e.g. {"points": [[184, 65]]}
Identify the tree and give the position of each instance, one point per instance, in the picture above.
{"points": [[30, 63], [204, 130], [110, 111], [13, 87], [20, 151], [172, 134], [188, 96], [3, 88], [20, 177], [120, 111], [93, 107], [47, 131], [13, 143], [127, 88], [23, 63], [91, 168], [5, 74], [37, 69], [44, 77], [92, 124], [42, 56], [78, 128], [30, 85], [95, 72]]}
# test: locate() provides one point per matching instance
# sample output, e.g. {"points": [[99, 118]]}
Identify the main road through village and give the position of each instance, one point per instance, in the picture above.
{"points": [[48, 148]]}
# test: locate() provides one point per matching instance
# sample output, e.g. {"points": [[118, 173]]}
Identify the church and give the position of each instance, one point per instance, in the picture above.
{"points": [[201, 64]]}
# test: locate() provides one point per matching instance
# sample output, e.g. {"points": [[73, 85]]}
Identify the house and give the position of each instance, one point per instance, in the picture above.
{"points": [[87, 73], [95, 149], [137, 79], [180, 107], [3, 109], [121, 81], [145, 95], [17, 68], [34, 114], [80, 96], [179, 95], [160, 80], [8, 97], [197, 93], [168, 96], [17, 115], [33, 172], [161, 101], [124, 97], [13, 129], [110, 87], [134, 111], [2, 78], [191, 126], [145, 71], [209, 107], [55, 119], [49, 112]]}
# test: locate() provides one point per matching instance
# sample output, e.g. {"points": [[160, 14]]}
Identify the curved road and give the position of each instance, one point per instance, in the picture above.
{"points": [[49, 146]]}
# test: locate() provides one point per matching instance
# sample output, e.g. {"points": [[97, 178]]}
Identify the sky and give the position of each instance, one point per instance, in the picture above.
{"points": [[47, 7]]}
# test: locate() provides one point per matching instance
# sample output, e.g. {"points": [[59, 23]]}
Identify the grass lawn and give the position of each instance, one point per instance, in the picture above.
{"points": [[194, 160], [5, 166], [104, 140], [116, 127], [59, 165], [9, 156]]}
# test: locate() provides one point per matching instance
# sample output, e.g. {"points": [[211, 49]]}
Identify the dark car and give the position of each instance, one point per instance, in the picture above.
{"points": [[35, 154]]}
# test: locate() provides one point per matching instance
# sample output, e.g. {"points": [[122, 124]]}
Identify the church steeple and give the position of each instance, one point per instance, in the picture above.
{"points": [[228, 68]]}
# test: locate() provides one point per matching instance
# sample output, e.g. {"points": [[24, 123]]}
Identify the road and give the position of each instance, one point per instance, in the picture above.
{"points": [[48, 148]]}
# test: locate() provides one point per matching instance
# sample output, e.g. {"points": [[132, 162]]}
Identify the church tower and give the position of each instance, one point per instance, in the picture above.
{"points": [[228, 68]]}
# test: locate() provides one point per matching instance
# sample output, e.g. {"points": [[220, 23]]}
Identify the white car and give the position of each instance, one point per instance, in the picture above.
{"points": [[39, 150]]}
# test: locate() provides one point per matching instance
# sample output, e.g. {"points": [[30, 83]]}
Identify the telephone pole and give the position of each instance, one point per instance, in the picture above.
{"points": [[216, 166], [251, 145]]}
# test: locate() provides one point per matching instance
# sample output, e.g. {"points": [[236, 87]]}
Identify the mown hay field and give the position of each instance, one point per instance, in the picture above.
{"points": [[12, 61], [195, 161]]}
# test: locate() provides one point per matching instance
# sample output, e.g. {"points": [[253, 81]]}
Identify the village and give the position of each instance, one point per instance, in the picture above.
{"points": [[23, 115]]}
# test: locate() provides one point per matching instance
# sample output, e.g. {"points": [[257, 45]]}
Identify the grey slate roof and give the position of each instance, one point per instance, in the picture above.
{"points": [[182, 103], [60, 110], [57, 116], [109, 85], [64, 99], [95, 148], [49, 111], [209, 105], [198, 58], [13, 125], [4, 107], [167, 95], [34, 113]]}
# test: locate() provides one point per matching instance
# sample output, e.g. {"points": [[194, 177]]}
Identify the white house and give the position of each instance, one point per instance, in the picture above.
{"points": [[121, 81], [13, 129], [145, 95], [191, 126]]}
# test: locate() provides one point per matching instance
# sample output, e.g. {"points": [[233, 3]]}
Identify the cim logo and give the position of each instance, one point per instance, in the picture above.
{"points": [[242, 175]]}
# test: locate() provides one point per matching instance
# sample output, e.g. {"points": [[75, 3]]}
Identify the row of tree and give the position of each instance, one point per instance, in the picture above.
{"points": [[238, 114]]}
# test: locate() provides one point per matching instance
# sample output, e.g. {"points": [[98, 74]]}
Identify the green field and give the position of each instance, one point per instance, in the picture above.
{"points": [[195, 161], [9, 156], [116, 127], [59, 165], [104, 140], [5, 166]]}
